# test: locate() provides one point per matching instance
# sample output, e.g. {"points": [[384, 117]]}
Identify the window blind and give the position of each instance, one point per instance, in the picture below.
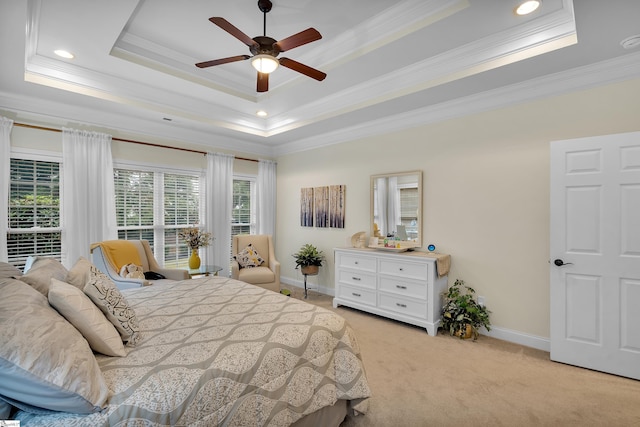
{"points": [[34, 210]]}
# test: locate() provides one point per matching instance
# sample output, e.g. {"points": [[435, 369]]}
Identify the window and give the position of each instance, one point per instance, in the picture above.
{"points": [[34, 210], [154, 206], [243, 217]]}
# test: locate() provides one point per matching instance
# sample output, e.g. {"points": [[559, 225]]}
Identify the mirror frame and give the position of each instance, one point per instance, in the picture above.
{"points": [[419, 216]]}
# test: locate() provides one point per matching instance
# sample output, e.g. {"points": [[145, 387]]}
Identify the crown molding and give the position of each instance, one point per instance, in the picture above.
{"points": [[622, 68], [548, 33], [61, 114]]}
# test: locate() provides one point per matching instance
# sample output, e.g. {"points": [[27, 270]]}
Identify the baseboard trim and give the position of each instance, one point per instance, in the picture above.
{"points": [[516, 337]]}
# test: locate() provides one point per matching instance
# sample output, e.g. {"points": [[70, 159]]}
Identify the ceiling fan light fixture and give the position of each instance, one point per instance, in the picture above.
{"points": [[527, 7], [265, 63]]}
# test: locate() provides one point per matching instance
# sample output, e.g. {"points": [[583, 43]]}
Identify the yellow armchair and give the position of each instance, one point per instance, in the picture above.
{"points": [[110, 255]]}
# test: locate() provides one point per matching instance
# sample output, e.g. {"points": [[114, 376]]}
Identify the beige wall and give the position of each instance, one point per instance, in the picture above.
{"points": [[486, 190], [486, 193]]}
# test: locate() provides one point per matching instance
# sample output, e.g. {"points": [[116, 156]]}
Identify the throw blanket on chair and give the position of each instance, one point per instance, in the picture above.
{"points": [[119, 253]]}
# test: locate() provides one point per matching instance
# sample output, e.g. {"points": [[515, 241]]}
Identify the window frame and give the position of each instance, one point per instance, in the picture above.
{"points": [[253, 224], [21, 153], [158, 228]]}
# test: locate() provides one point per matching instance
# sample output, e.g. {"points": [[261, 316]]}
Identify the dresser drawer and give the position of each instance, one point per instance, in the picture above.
{"points": [[409, 270], [402, 305], [407, 288], [363, 296], [357, 262], [356, 278]]}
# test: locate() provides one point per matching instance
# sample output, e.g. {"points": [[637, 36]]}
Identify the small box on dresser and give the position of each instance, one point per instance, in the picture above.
{"points": [[404, 286]]}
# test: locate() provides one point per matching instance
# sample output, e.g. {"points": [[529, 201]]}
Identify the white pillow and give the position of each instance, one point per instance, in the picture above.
{"points": [[40, 274], [79, 273], [104, 293], [82, 313]]}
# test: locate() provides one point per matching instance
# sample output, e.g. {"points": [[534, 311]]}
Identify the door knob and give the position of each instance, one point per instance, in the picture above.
{"points": [[560, 262]]}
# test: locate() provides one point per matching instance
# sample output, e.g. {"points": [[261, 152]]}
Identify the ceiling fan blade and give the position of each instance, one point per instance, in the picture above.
{"points": [[304, 69], [263, 82], [222, 61], [303, 37], [229, 28]]}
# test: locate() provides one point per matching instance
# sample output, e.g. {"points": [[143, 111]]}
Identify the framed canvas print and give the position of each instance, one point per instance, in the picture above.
{"points": [[306, 207], [336, 206], [321, 206]]}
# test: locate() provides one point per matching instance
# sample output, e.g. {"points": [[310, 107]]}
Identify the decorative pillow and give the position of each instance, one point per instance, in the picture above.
{"points": [[104, 293], [78, 276], [132, 271], [45, 363], [8, 270], [40, 274], [82, 313], [249, 257]]}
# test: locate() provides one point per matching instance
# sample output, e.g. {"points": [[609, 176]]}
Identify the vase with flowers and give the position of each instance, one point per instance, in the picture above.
{"points": [[195, 239]]}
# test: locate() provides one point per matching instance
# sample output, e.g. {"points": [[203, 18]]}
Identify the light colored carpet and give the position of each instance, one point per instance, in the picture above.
{"points": [[420, 380]]}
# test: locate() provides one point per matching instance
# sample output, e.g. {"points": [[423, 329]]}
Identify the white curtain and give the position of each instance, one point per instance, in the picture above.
{"points": [[89, 209], [393, 212], [381, 205], [218, 200], [266, 195], [5, 163]]}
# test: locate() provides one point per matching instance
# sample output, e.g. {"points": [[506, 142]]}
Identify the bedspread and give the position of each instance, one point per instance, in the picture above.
{"points": [[217, 351]]}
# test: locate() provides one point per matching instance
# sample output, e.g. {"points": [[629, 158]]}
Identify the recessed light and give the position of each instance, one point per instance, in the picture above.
{"points": [[631, 42], [527, 7], [261, 113], [64, 54]]}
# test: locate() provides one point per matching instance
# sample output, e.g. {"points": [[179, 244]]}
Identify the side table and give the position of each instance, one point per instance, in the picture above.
{"points": [[205, 270]]}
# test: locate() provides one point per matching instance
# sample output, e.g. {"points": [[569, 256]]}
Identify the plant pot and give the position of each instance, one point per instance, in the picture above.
{"points": [[194, 260], [310, 270], [466, 334]]}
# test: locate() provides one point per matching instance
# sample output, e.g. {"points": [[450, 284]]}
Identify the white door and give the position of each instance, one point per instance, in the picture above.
{"points": [[595, 253]]}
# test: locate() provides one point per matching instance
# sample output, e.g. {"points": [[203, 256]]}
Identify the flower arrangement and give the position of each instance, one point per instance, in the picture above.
{"points": [[194, 237]]}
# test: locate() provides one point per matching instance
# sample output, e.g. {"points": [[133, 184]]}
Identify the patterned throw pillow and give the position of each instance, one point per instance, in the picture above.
{"points": [[104, 293], [249, 257]]}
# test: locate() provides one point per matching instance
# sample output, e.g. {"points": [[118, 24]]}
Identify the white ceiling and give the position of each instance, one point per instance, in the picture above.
{"points": [[390, 64]]}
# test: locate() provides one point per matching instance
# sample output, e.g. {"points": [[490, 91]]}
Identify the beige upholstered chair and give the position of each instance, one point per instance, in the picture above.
{"points": [[105, 263], [266, 275]]}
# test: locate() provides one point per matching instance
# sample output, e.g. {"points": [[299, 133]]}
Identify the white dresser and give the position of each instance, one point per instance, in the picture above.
{"points": [[402, 286]]}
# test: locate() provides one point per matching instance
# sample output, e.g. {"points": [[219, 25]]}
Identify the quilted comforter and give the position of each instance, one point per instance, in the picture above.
{"points": [[217, 351]]}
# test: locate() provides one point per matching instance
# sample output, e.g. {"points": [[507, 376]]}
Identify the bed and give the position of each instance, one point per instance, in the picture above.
{"points": [[217, 351]]}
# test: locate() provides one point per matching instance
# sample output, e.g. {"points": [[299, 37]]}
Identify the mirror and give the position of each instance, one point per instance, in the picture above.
{"points": [[396, 206]]}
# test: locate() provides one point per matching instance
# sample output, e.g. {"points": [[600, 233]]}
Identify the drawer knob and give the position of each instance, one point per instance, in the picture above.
{"points": [[401, 287], [356, 278], [356, 263], [401, 305], [401, 269], [355, 295]]}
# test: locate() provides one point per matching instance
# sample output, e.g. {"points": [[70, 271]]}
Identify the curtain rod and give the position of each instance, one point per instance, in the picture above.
{"points": [[24, 125]]}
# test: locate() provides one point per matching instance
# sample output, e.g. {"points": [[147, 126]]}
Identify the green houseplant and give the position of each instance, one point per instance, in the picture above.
{"points": [[308, 259], [461, 314]]}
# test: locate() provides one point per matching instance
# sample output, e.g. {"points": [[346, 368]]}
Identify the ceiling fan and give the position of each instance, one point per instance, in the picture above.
{"points": [[265, 50]]}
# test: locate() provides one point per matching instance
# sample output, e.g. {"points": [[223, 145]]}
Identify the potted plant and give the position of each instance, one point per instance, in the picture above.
{"points": [[308, 259], [461, 314]]}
